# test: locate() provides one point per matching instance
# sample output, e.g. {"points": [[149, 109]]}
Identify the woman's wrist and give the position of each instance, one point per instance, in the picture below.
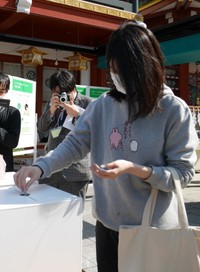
{"points": [[42, 172], [143, 172]]}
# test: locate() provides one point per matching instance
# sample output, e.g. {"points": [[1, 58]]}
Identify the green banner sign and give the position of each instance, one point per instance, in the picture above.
{"points": [[81, 90], [22, 86], [96, 92]]}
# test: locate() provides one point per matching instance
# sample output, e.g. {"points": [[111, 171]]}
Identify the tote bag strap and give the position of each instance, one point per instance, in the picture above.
{"points": [[151, 202], [149, 208], [183, 219]]}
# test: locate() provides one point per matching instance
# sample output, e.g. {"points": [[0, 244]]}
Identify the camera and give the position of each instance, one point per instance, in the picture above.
{"points": [[64, 98]]}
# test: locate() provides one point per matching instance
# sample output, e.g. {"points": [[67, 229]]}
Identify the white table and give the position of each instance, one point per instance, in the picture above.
{"points": [[41, 232]]}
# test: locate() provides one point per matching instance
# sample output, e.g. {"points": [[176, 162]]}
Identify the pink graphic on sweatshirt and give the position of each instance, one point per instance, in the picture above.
{"points": [[115, 138]]}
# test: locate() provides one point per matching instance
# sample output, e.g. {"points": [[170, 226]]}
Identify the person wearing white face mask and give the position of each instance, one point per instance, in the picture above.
{"points": [[10, 125], [117, 82], [134, 132]]}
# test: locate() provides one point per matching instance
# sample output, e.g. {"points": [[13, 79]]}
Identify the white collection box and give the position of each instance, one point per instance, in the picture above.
{"points": [[41, 232]]}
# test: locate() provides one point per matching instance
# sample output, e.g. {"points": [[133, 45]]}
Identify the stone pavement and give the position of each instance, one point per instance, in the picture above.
{"points": [[191, 196], [192, 201]]}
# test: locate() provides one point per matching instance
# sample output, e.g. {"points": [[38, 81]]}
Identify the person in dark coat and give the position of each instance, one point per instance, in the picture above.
{"points": [[10, 125]]}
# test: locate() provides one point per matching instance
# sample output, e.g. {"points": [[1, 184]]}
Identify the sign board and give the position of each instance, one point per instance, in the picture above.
{"points": [[22, 96], [91, 91]]}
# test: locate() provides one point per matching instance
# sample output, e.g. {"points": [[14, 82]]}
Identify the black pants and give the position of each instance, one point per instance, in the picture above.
{"points": [[106, 248], [58, 181]]}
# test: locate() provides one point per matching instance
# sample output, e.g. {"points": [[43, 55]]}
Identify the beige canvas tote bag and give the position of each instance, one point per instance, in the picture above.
{"points": [[148, 249]]}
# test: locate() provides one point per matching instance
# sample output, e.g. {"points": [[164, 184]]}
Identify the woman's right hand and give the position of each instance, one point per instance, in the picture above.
{"points": [[26, 176]]}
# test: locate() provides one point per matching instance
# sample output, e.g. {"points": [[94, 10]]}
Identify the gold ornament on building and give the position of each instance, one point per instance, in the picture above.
{"points": [[77, 62], [32, 56]]}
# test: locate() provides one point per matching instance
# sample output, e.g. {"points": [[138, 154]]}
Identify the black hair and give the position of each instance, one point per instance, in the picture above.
{"points": [[134, 53], [5, 80], [64, 80]]}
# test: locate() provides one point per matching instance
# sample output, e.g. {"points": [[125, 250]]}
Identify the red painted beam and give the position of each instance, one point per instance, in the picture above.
{"points": [[53, 10], [8, 4], [77, 15], [11, 20]]}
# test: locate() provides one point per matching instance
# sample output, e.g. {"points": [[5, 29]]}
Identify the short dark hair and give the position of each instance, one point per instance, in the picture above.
{"points": [[4, 79], [64, 80], [135, 53]]}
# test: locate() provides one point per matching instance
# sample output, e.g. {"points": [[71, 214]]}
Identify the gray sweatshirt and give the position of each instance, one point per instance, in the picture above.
{"points": [[164, 138]]}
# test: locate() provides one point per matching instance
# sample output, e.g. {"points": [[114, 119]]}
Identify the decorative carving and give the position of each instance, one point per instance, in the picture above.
{"points": [[100, 9], [31, 75]]}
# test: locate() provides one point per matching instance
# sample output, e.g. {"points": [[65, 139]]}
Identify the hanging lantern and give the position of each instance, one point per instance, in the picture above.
{"points": [[32, 56], [77, 62]]}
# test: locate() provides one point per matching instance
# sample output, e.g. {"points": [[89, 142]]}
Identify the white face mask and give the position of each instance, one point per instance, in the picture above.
{"points": [[117, 82]]}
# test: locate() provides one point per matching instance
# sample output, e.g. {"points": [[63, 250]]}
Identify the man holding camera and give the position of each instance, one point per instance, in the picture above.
{"points": [[58, 119]]}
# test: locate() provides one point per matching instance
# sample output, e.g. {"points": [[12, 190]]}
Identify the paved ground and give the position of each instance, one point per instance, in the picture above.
{"points": [[192, 201], [89, 254]]}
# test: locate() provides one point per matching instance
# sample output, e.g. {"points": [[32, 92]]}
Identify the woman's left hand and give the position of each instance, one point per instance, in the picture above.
{"points": [[112, 170], [116, 168]]}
